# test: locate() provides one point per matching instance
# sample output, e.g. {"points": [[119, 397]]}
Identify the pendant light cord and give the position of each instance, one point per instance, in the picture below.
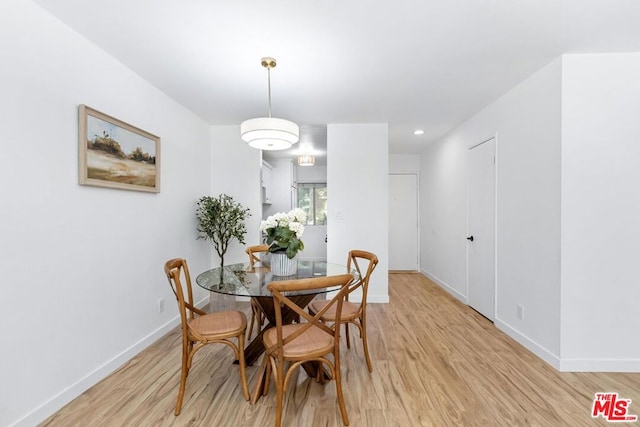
{"points": [[269, 79]]}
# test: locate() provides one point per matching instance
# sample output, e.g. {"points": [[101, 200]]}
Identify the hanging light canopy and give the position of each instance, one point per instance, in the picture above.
{"points": [[269, 133], [306, 160]]}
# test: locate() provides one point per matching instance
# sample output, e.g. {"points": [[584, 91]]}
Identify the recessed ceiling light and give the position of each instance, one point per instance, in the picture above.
{"points": [[418, 132]]}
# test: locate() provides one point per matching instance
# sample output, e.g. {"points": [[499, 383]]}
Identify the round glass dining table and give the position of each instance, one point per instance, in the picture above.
{"points": [[244, 280]]}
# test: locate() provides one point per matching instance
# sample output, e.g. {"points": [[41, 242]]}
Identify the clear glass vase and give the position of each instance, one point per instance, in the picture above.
{"points": [[281, 265]]}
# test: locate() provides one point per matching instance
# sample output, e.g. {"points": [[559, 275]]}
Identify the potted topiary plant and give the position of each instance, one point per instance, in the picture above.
{"points": [[221, 219]]}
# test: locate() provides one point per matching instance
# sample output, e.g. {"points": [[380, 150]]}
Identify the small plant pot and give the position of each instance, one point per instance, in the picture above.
{"points": [[281, 265]]}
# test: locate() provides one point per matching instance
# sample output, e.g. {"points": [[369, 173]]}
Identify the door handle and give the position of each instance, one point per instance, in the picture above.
{"points": [[470, 238]]}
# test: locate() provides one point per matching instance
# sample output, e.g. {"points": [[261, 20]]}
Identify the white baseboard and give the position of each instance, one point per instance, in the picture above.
{"points": [[48, 408], [371, 298], [377, 299], [457, 295], [529, 344], [600, 365], [558, 363], [571, 365]]}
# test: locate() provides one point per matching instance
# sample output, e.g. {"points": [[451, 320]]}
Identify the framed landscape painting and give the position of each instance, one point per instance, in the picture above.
{"points": [[115, 154]]}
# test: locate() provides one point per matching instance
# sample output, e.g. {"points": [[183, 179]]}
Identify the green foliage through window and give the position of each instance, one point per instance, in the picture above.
{"points": [[312, 199]]}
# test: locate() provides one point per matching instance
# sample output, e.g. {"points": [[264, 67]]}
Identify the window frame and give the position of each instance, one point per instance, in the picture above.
{"points": [[314, 186]]}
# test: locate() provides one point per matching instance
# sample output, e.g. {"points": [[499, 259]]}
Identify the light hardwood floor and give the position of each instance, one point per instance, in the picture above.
{"points": [[435, 361]]}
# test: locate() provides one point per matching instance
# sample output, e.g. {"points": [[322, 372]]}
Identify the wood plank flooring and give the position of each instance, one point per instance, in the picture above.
{"points": [[436, 363]]}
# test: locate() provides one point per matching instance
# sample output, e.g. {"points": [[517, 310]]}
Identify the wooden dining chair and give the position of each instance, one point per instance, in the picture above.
{"points": [[363, 263], [257, 315], [290, 345], [200, 328]]}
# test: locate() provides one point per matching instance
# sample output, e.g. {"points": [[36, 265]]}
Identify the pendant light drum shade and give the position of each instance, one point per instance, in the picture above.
{"points": [[306, 160], [269, 133]]}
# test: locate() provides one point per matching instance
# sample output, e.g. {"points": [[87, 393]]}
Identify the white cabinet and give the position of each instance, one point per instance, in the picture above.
{"points": [[294, 186], [294, 175], [266, 177], [277, 187]]}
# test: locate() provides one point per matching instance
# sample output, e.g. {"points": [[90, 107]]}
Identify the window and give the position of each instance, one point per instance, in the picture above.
{"points": [[312, 198]]}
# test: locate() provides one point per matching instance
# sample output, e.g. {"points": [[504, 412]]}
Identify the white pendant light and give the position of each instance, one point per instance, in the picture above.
{"points": [[269, 133], [306, 160]]}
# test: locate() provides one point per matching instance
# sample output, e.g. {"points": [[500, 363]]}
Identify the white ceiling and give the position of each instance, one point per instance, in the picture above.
{"points": [[411, 63]]}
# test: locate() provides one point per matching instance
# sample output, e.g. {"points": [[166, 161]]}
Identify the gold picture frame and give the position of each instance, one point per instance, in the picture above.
{"points": [[114, 154]]}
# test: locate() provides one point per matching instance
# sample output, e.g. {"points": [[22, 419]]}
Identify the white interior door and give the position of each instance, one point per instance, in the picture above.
{"points": [[481, 228], [403, 222]]}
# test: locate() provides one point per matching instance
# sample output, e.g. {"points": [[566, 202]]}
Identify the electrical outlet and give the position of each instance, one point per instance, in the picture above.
{"points": [[520, 312], [160, 305]]}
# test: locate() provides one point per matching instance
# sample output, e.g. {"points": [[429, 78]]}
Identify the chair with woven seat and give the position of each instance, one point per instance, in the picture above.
{"points": [[200, 328], [290, 345], [353, 312], [257, 314]]}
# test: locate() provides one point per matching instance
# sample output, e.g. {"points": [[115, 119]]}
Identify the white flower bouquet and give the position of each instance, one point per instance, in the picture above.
{"points": [[283, 232]]}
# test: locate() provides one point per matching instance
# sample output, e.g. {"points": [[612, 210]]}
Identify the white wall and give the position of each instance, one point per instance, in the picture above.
{"points": [[82, 266], [600, 212], [443, 213], [526, 121], [310, 174], [358, 197], [567, 210], [236, 172], [404, 163]]}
